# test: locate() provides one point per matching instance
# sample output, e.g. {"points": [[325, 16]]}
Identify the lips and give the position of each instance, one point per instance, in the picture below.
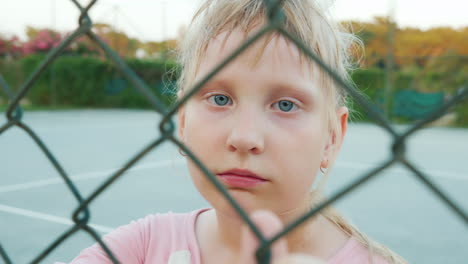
{"points": [[239, 178]]}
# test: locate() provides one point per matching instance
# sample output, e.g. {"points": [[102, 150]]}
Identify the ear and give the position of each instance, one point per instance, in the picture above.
{"points": [[181, 121], [335, 140], [342, 113], [181, 118]]}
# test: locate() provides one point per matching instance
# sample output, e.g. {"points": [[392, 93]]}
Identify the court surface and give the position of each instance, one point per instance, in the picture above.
{"points": [[36, 207]]}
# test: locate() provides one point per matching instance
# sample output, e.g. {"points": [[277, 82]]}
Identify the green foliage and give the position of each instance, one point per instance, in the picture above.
{"points": [[89, 82], [445, 73], [13, 75], [461, 110], [371, 83]]}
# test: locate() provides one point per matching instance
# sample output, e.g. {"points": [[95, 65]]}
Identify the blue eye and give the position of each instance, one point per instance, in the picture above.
{"points": [[219, 99], [285, 106]]}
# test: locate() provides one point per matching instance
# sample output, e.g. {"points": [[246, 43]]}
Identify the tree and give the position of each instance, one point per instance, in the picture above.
{"points": [[117, 40], [41, 40], [412, 45]]}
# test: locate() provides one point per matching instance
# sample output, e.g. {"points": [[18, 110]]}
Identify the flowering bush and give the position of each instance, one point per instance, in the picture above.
{"points": [[44, 41], [10, 47]]}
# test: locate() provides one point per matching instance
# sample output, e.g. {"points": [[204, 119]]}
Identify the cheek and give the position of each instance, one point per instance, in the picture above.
{"points": [[204, 186], [202, 133], [301, 151], [198, 178], [303, 138]]}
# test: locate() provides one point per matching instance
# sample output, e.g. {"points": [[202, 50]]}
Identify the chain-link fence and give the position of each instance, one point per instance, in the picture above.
{"points": [[81, 215]]}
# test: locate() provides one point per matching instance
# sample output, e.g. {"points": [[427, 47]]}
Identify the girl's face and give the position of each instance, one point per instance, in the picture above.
{"points": [[266, 117]]}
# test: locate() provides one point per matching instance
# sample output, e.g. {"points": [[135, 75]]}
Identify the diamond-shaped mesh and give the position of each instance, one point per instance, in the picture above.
{"points": [[81, 214]]}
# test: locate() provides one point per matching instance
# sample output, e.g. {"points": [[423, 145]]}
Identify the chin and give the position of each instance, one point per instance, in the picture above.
{"points": [[246, 200]]}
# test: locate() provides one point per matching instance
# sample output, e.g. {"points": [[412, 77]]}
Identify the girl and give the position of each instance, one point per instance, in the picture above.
{"points": [[265, 126]]}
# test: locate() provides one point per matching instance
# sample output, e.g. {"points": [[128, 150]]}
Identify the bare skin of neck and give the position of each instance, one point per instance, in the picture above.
{"points": [[219, 236]]}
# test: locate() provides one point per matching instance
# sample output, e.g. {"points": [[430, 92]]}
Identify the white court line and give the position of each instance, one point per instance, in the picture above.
{"points": [[104, 173], [85, 176], [49, 218]]}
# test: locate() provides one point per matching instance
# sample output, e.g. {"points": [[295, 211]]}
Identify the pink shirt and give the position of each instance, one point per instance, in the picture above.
{"points": [[170, 239]]}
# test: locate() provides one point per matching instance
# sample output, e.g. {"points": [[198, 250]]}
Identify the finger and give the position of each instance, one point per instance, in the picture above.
{"points": [[269, 225]]}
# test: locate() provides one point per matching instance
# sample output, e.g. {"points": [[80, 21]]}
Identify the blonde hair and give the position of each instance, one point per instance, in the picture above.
{"points": [[306, 20]]}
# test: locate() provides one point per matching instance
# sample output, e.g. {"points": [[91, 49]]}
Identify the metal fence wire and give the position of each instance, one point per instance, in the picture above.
{"points": [[81, 215]]}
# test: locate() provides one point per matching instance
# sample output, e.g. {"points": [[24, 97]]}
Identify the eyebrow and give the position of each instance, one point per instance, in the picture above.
{"points": [[214, 82], [307, 95]]}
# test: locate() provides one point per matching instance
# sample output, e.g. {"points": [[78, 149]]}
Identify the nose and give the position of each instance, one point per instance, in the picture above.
{"points": [[246, 134]]}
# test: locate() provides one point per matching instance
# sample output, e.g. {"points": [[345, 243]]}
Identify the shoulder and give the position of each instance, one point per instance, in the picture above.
{"points": [[176, 230], [143, 230], [151, 239]]}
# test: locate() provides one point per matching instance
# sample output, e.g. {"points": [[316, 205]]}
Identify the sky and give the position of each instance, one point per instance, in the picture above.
{"points": [[154, 20]]}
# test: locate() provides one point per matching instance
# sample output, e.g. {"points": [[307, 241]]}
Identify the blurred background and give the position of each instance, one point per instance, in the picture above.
{"points": [[93, 121], [416, 52]]}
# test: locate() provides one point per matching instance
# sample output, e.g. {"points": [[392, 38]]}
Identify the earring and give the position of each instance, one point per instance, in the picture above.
{"points": [[323, 165], [321, 169], [181, 152]]}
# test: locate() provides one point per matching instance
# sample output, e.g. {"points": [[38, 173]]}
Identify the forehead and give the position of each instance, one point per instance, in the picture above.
{"points": [[271, 50]]}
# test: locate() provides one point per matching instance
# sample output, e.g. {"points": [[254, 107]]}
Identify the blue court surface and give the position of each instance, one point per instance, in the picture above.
{"points": [[36, 206]]}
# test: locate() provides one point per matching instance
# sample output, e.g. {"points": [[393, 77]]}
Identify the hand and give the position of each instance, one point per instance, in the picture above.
{"points": [[269, 224]]}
